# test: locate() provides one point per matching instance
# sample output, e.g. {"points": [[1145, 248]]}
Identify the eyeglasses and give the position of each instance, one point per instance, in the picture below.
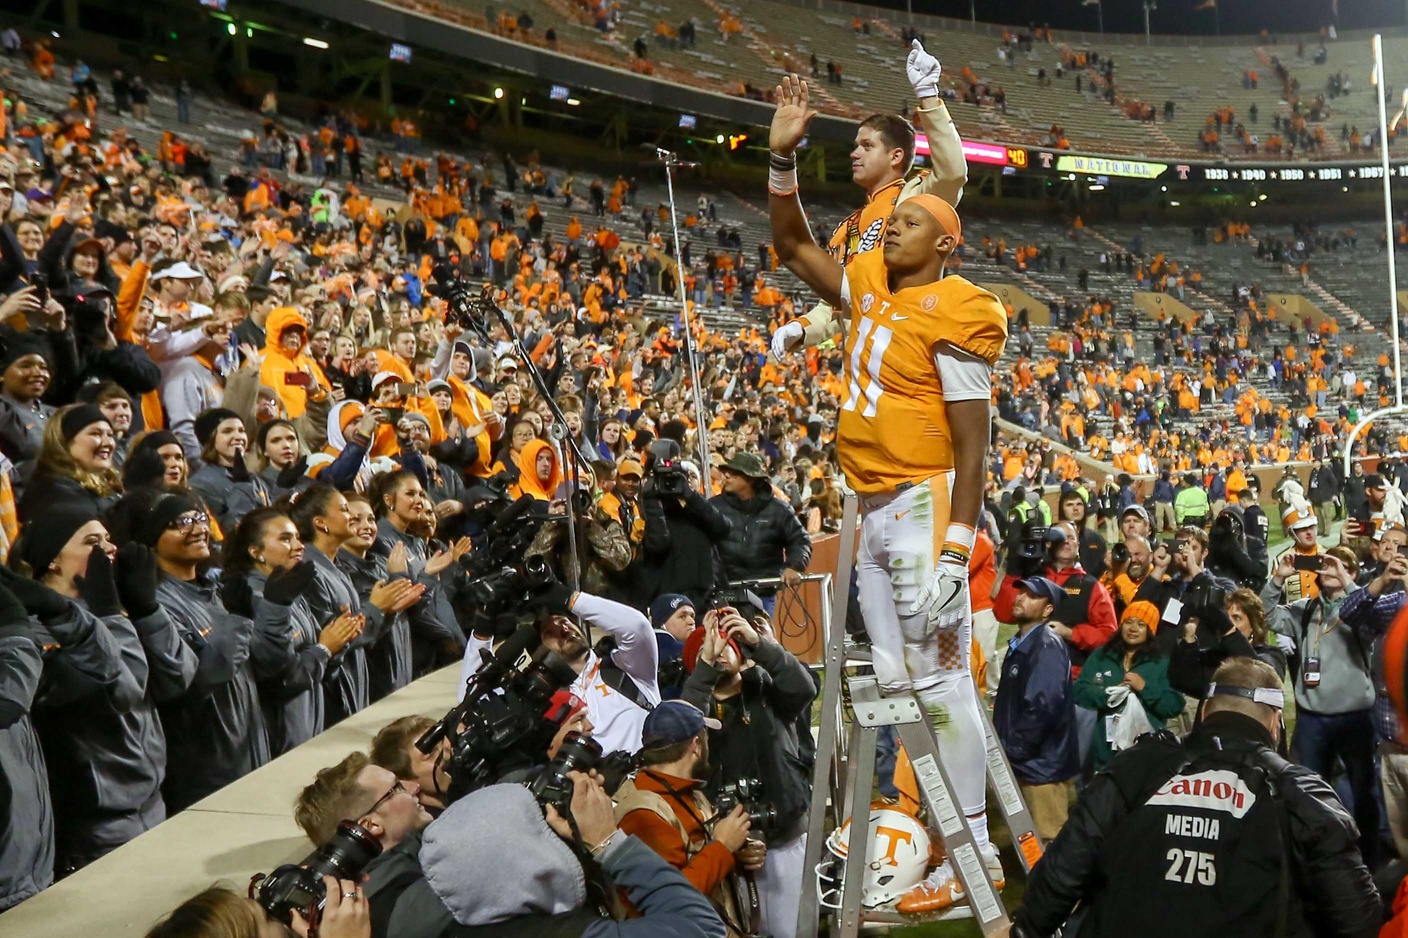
{"points": [[188, 521], [395, 789]]}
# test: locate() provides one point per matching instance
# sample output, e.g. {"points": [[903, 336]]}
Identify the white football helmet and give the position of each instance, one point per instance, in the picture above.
{"points": [[898, 858]]}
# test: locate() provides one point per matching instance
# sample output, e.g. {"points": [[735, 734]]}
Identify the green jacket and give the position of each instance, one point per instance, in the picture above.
{"points": [[1191, 502], [1103, 669]]}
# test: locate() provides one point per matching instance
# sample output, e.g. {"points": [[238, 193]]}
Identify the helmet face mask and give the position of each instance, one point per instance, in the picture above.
{"points": [[897, 859]]}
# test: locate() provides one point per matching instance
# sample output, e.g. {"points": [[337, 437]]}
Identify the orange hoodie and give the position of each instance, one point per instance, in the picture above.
{"points": [[528, 481], [279, 362]]}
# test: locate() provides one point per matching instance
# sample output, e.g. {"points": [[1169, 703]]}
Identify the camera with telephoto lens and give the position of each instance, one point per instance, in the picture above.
{"points": [[501, 724], [667, 478], [746, 793], [579, 753], [1119, 553], [299, 887]]}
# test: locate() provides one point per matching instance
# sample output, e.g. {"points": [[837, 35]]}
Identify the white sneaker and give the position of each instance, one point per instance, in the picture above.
{"points": [[942, 887]]}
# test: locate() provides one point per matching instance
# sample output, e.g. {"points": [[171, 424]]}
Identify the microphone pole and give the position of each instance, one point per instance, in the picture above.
{"points": [[560, 432], [701, 418]]}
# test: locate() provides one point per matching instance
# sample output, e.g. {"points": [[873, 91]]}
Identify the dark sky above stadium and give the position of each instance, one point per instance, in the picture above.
{"points": [[1174, 16]]}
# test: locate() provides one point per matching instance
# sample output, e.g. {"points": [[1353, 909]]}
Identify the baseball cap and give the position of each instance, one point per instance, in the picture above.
{"points": [[1293, 519], [178, 271], [630, 467], [1139, 510], [674, 721], [666, 605], [507, 362], [382, 377], [1041, 587], [439, 384]]}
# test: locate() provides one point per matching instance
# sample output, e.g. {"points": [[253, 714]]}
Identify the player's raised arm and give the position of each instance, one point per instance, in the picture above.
{"points": [[791, 235], [950, 168]]}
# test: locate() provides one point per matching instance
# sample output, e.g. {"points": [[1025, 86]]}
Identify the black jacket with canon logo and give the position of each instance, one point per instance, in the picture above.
{"points": [[1211, 835]]}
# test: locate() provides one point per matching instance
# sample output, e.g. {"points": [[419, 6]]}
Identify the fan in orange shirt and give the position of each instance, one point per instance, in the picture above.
{"points": [[912, 440]]}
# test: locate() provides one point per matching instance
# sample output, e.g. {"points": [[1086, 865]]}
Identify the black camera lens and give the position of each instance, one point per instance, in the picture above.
{"points": [[346, 853]]}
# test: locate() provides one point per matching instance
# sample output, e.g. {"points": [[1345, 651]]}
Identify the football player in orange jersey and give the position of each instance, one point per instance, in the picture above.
{"points": [[880, 163], [912, 440]]}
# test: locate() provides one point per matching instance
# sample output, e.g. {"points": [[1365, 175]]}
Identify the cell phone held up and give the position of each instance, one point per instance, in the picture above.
{"points": [[298, 379], [1310, 562], [40, 283]]}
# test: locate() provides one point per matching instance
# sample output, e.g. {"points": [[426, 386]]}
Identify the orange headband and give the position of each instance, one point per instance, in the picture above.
{"points": [[942, 212]]}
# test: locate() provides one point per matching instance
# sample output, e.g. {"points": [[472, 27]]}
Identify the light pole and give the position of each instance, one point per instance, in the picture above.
{"points": [[1149, 7]]}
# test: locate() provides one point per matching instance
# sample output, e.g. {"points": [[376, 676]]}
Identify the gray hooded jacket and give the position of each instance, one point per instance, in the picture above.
{"points": [[482, 883]]}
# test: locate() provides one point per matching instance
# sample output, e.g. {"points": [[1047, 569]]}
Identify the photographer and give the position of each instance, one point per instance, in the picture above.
{"points": [[767, 540], [618, 679], [1228, 554], [1129, 565], [758, 691], [1278, 848], [666, 809], [1333, 688], [504, 871], [1072, 507], [682, 530], [387, 807], [1179, 583]]}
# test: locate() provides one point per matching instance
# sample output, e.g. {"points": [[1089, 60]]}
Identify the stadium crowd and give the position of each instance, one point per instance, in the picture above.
{"points": [[253, 450]]}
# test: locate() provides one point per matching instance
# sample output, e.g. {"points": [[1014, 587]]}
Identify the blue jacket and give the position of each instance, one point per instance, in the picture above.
{"points": [[1034, 714], [1163, 492]]}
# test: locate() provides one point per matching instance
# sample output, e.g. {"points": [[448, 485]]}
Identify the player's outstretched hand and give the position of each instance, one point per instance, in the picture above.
{"points": [[923, 70], [786, 336], [793, 115], [944, 596]]}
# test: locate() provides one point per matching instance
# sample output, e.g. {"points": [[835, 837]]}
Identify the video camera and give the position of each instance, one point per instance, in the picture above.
{"points": [[1030, 556], [299, 887], [502, 578], [667, 477], [501, 723]]}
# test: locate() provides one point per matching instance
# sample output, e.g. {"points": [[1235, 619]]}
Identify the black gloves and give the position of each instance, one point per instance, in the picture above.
{"points": [[555, 598], [239, 471], [286, 585], [237, 595], [98, 586], [137, 579], [289, 477], [37, 599]]}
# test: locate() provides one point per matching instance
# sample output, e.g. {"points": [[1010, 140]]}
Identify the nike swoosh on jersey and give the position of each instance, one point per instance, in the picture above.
{"points": [[898, 318], [899, 515]]}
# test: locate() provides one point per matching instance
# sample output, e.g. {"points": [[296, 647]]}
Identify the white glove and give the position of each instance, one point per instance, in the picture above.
{"points": [[923, 70], [944, 596], [785, 337]]}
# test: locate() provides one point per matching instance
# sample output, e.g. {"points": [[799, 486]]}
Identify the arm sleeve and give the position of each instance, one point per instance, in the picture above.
{"points": [[636, 652], [88, 663], [472, 660], [171, 664], [792, 690], [271, 644], [1340, 898], [20, 667], [670, 906], [798, 542], [964, 377]]}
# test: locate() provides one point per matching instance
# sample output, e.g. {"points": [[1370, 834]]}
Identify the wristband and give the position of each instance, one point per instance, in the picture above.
{"points": [[782, 182], [960, 536], [778, 161]]}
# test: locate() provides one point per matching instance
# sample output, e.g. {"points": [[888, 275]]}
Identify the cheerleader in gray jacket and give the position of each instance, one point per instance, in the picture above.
{"points": [[324, 523], [106, 751], [215, 732], [266, 577]]}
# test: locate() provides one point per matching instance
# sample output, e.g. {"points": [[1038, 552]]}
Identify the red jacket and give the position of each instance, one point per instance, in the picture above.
{"points": [[1101, 621]]}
